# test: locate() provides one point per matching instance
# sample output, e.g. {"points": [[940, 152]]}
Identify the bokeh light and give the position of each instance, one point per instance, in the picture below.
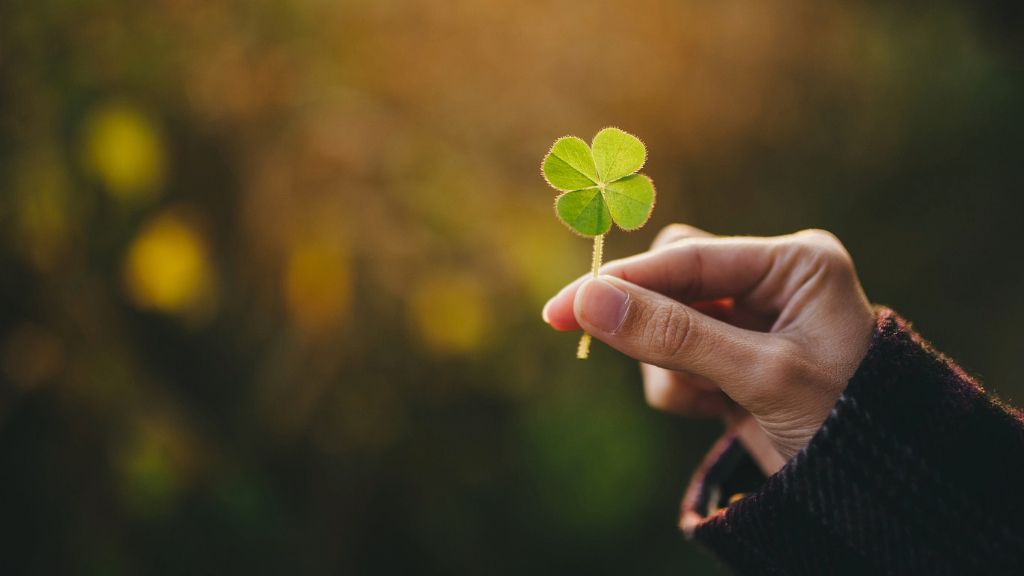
{"points": [[317, 285], [123, 148], [167, 268], [450, 311]]}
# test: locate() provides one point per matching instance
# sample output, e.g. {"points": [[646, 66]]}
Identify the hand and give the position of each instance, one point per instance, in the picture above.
{"points": [[779, 325]]}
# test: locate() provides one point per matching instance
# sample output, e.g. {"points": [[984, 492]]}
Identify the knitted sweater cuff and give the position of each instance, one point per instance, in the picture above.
{"points": [[908, 474]]}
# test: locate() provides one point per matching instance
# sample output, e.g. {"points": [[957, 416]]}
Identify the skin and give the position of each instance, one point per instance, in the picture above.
{"points": [[761, 332]]}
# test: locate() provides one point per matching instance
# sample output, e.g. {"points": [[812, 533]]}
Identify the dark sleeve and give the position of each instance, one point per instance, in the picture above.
{"points": [[915, 471]]}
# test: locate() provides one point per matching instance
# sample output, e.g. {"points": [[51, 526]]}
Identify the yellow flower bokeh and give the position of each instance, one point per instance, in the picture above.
{"points": [[124, 149], [168, 269], [450, 312]]}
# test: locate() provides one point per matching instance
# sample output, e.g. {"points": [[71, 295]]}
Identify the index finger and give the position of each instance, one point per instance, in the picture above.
{"points": [[690, 270]]}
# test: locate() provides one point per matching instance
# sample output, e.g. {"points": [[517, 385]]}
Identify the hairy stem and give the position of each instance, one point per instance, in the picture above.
{"points": [[583, 350]]}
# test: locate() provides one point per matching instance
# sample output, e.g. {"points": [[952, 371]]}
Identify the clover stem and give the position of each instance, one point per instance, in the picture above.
{"points": [[583, 350]]}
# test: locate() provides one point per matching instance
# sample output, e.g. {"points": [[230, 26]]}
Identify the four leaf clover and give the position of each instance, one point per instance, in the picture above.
{"points": [[599, 183]]}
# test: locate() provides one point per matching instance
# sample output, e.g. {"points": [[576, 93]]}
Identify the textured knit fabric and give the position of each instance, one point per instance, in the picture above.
{"points": [[915, 471]]}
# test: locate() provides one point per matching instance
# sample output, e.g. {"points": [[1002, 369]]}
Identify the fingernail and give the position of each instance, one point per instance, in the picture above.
{"points": [[603, 305], [544, 312]]}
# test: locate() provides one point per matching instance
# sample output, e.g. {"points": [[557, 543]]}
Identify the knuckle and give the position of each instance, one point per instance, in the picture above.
{"points": [[823, 248], [669, 393], [669, 330], [819, 239], [680, 229], [659, 394], [670, 233], [818, 235], [674, 232]]}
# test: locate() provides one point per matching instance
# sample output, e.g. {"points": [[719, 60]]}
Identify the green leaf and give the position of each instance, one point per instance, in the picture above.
{"points": [[617, 154], [584, 211], [569, 165], [630, 201]]}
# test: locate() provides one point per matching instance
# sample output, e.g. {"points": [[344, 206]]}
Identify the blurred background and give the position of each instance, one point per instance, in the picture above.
{"points": [[271, 271]]}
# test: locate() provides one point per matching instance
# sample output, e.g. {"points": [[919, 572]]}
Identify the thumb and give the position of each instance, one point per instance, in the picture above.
{"points": [[658, 330]]}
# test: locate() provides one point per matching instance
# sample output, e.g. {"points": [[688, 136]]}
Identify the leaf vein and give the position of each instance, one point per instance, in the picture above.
{"points": [[578, 171]]}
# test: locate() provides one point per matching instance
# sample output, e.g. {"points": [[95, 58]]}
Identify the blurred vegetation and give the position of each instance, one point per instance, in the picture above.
{"points": [[272, 271]]}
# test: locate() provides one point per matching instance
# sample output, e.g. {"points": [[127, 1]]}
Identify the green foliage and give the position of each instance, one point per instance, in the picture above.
{"points": [[599, 183]]}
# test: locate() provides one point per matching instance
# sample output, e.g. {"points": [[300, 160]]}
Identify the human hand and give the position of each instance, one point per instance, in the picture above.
{"points": [[779, 325]]}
